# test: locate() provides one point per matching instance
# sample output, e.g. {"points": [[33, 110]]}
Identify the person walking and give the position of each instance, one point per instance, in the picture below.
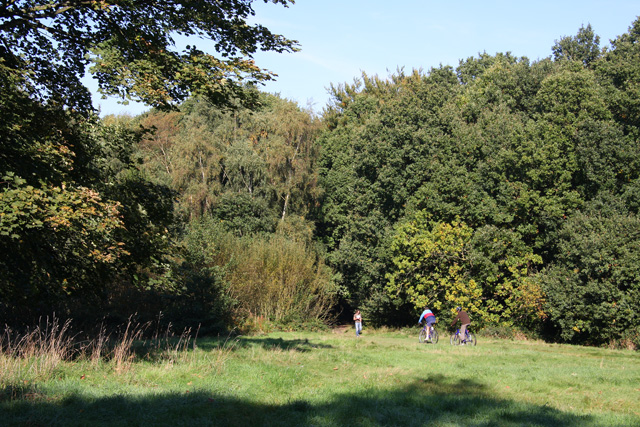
{"points": [[357, 318]]}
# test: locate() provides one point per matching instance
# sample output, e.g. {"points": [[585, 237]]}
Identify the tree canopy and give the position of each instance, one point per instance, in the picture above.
{"points": [[508, 186], [134, 47], [495, 185]]}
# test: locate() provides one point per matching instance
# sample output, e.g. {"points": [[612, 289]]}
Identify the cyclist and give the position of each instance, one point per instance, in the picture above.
{"points": [[430, 318], [464, 321]]}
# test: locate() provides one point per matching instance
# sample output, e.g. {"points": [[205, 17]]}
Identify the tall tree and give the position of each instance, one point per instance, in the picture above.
{"points": [[59, 234], [238, 164], [620, 72], [584, 47], [592, 286], [381, 143]]}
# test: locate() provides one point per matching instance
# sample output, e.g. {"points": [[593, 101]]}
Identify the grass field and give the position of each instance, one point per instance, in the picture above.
{"points": [[329, 379]]}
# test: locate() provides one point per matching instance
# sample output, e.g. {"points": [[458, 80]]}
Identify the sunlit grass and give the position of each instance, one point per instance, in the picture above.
{"points": [[383, 378]]}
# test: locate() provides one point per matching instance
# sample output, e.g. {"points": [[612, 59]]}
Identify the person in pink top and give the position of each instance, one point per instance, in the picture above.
{"points": [[430, 318]]}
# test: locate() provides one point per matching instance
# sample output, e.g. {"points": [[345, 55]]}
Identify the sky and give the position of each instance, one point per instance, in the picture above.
{"points": [[341, 39]]}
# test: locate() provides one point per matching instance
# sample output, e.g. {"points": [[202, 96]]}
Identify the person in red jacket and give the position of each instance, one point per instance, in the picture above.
{"points": [[463, 317]]}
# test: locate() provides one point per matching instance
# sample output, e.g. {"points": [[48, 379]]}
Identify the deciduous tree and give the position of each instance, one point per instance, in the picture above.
{"points": [[135, 48]]}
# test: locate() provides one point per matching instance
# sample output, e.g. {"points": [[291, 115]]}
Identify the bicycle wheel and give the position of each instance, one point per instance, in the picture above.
{"points": [[455, 339], [434, 336], [471, 339], [422, 336]]}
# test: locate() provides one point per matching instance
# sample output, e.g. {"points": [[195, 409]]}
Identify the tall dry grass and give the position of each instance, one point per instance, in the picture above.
{"points": [[33, 356], [122, 354], [135, 341], [167, 346]]}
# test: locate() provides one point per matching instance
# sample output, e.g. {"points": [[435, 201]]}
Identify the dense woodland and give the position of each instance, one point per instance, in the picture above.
{"points": [[507, 186]]}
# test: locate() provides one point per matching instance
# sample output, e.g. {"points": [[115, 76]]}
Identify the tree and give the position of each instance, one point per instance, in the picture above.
{"points": [[242, 166], [59, 233], [432, 265], [379, 147], [584, 47], [619, 71], [133, 48], [443, 265], [592, 286]]}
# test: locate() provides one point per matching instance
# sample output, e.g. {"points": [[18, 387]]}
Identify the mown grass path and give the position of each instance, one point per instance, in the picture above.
{"points": [[334, 379]]}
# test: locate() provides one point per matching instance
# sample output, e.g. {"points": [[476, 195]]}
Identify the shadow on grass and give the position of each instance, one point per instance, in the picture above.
{"points": [[161, 349], [426, 401], [300, 345]]}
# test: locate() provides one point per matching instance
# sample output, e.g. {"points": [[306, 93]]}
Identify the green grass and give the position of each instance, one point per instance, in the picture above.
{"points": [[334, 379]]}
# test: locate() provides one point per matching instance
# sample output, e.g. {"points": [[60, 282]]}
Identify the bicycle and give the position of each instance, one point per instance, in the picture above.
{"points": [[469, 338], [433, 337]]}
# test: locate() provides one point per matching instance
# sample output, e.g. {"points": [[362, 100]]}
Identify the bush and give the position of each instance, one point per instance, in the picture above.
{"points": [[630, 340], [508, 332], [255, 283]]}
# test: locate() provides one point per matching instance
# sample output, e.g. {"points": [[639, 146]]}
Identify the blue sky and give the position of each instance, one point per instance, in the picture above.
{"points": [[340, 39]]}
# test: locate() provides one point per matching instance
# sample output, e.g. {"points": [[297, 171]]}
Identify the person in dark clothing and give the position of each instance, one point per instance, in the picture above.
{"points": [[463, 317]]}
